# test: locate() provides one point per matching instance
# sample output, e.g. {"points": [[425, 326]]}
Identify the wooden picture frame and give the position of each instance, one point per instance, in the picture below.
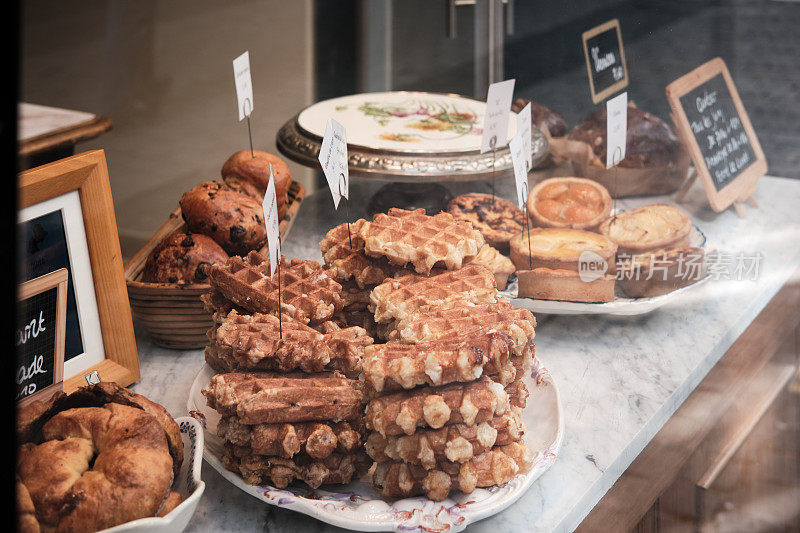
{"points": [[742, 186], [621, 84], [54, 280], [87, 174]]}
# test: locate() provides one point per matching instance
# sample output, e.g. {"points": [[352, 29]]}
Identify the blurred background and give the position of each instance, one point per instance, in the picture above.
{"points": [[161, 70]]}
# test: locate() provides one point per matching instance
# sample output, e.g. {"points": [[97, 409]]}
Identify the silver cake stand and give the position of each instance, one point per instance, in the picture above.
{"points": [[415, 175]]}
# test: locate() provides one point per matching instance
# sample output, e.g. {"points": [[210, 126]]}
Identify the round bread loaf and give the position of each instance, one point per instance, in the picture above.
{"points": [[650, 141], [556, 125], [97, 458], [182, 258], [233, 219], [248, 172]]}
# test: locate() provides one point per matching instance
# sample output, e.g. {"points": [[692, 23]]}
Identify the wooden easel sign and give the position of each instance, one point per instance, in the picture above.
{"points": [[714, 125], [39, 338], [605, 60]]}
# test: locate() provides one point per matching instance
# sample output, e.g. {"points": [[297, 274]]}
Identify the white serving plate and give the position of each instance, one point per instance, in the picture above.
{"points": [[187, 483], [357, 505], [621, 306]]}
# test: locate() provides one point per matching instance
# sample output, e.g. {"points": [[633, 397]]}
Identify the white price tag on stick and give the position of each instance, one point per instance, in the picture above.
{"points": [[495, 121], [517, 147], [244, 85], [270, 208], [333, 158], [616, 129], [524, 132]]}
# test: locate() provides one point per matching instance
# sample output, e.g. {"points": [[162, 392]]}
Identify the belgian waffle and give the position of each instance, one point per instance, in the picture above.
{"points": [[351, 262], [309, 292], [434, 407], [398, 298], [279, 471], [316, 439], [254, 342], [457, 443], [395, 366], [424, 241], [496, 466], [218, 306], [268, 398]]}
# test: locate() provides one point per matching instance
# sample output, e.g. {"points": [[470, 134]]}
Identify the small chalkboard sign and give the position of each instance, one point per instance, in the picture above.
{"points": [[714, 125], [605, 60], [39, 337]]}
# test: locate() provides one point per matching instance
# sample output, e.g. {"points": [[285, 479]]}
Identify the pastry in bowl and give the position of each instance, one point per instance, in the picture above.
{"points": [[648, 228], [183, 258], [496, 218], [577, 203], [97, 458], [248, 172], [661, 271], [560, 248]]}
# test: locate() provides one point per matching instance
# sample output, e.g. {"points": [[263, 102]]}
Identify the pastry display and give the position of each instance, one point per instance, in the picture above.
{"points": [[650, 141], [233, 219], [247, 171], [183, 258], [559, 248], [424, 241], [97, 458], [648, 228], [281, 427], [309, 292], [661, 271], [568, 203], [498, 264], [566, 285], [496, 218]]}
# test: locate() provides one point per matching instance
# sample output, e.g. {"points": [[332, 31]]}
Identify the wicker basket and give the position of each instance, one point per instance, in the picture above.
{"points": [[173, 314]]}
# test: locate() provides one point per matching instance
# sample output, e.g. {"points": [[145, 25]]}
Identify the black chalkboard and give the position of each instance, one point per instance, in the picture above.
{"points": [[605, 60], [35, 341], [718, 130]]}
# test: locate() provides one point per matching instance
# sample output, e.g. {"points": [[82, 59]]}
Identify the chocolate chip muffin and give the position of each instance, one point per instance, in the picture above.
{"points": [[182, 258], [233, 219], [650, 142]]}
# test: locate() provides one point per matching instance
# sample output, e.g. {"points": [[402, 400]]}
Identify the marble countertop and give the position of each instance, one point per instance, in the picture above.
{"points": [[620, 378]]}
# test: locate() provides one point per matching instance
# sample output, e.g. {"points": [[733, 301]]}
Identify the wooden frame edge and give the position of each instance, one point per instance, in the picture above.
{"points": [[588, 34]]}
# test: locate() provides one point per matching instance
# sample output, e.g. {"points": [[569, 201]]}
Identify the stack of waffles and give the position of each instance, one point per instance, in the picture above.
{"points": [[291, 404], [447, 385], [282, 427]]}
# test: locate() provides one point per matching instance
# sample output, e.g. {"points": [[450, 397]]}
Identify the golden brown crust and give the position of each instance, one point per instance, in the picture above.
{"points": [[566, 285], [499, 265], [422, 240], [268, 398], [183, 258], [647, 228], [496, 218], [173, 500], [26, 512], [308, 292], [569, 202], [249, 172], [560, 249], [661, 271], [130, 477], [233, 219], [352, 262]]}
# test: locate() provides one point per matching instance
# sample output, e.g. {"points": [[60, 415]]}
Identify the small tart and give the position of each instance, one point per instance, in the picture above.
{"points": [[565, 285], [560, 248], [648, 228], [496, 218], [569, 203], [661, 271]]}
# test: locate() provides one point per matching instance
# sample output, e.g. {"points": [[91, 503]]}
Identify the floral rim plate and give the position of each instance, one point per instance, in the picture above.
{"points": [[187, 483], [357, 506], [621, 306]]}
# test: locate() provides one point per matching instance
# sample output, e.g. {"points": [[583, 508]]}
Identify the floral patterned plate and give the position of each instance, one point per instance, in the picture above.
{"points": [[357, 505], [402, 121]]}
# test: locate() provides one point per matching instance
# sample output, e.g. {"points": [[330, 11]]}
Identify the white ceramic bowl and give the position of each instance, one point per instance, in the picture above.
{"points": [[187, 483]]}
